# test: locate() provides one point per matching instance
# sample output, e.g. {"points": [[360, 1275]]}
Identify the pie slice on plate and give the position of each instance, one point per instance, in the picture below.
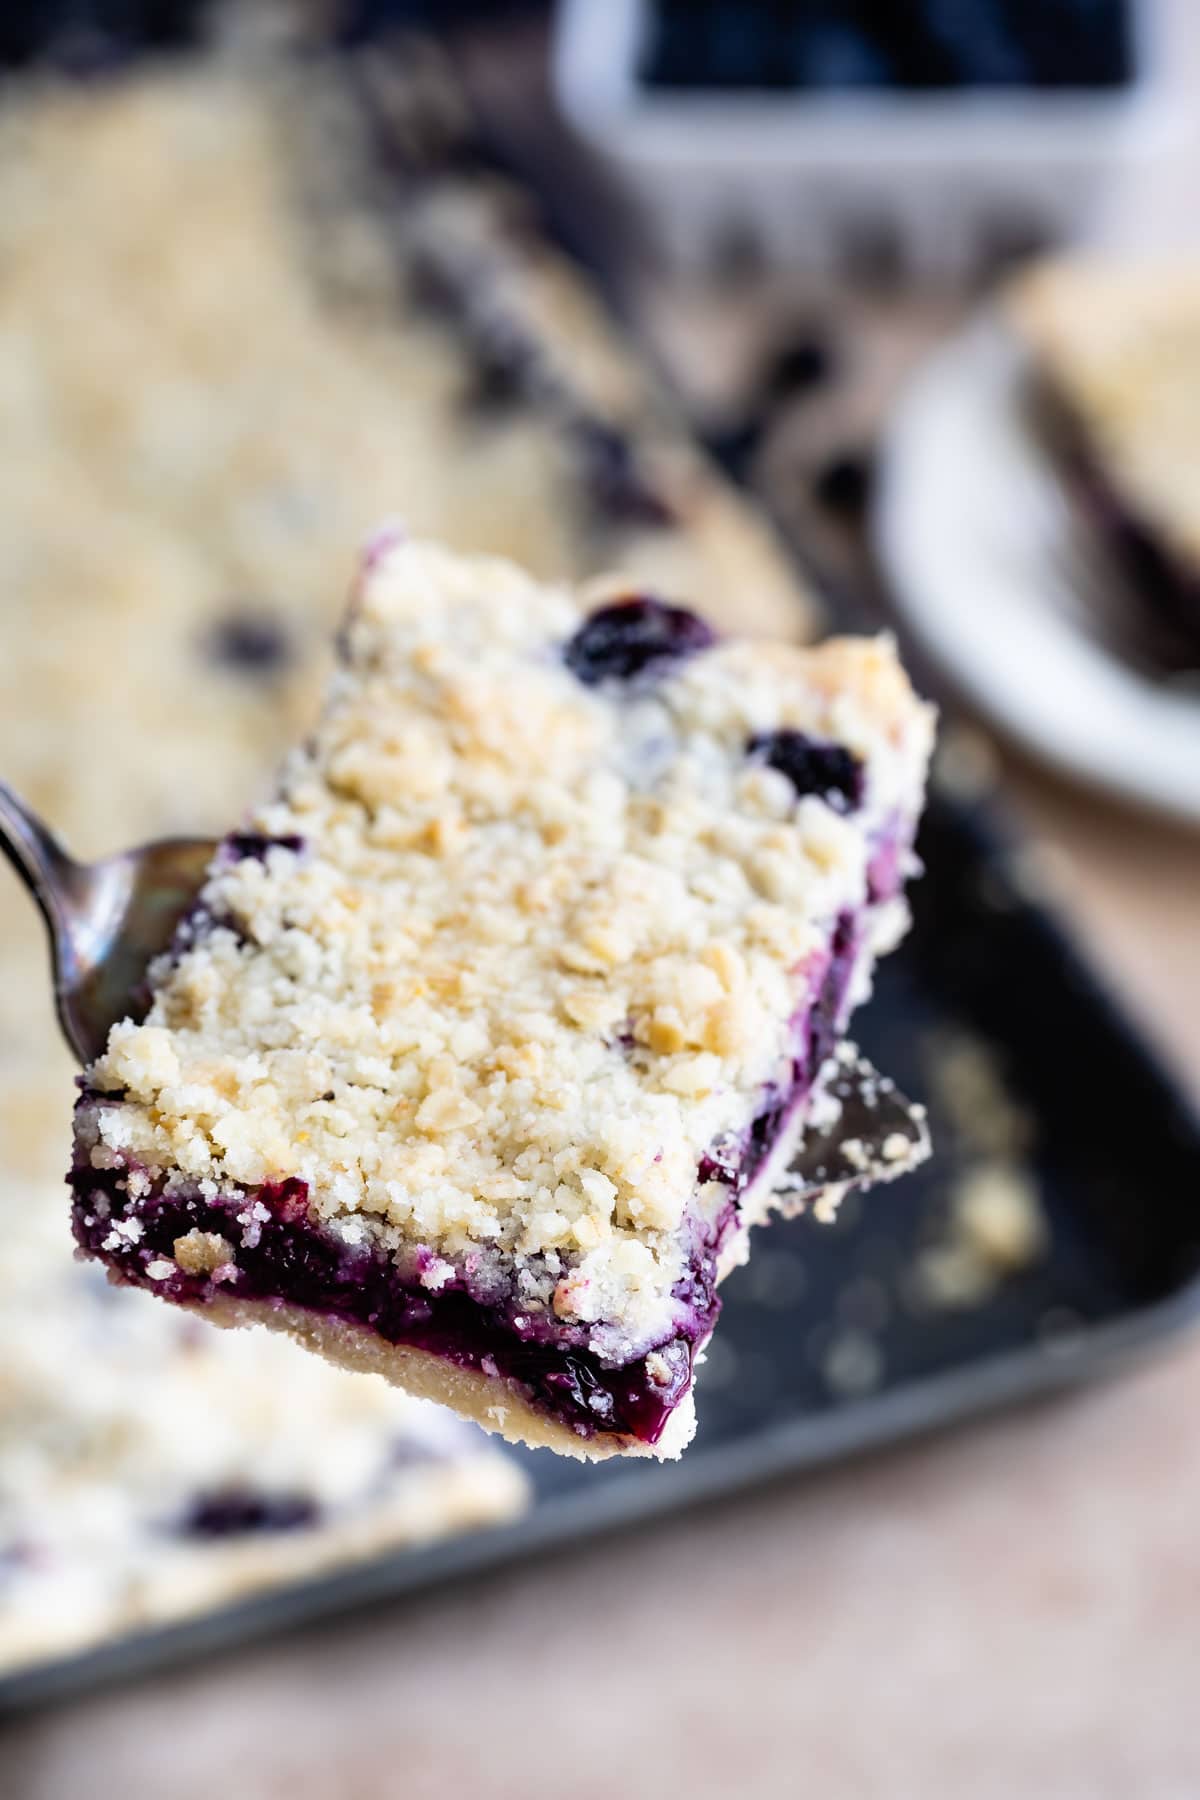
{"points": [[496, 1029], [1115, 349]]}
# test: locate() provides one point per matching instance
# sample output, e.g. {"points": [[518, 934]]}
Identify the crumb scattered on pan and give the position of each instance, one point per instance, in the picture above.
{"points": [[964, 767], [970, 1092], [996, 1227], [989, 1223], [1039, 872]]}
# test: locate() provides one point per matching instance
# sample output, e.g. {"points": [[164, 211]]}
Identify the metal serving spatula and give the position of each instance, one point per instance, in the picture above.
{"points": [[107, 920]]}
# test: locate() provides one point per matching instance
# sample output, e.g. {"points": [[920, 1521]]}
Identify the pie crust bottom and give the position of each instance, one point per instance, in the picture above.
{"points": [[493, 1402]]}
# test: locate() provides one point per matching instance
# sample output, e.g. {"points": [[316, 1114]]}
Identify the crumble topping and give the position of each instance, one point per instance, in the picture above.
{"points": [[542, 942], [203, 1252]]}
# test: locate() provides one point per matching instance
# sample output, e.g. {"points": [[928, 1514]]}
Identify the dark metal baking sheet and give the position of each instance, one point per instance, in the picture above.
{"points": [[1114, 1154]]}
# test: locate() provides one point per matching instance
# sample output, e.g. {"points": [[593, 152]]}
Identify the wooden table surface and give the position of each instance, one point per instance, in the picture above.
{"points": [[1012, 1609]]}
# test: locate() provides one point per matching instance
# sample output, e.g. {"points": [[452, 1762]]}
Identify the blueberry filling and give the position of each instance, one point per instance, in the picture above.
{"points": [[633, 637], [825, 1019], [812, 766], [885, 871], [736, 1162], [239, 1511], [293, 1260]]}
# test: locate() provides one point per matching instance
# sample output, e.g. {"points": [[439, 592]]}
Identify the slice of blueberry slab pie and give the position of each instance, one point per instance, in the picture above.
{"points": [[1114, 349], [495, 1030]]}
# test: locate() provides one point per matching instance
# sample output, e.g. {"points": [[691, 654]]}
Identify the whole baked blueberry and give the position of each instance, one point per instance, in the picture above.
{"points": [[237, 1511], [812, 766], [632, 637], [243, 844], [252, 642]]}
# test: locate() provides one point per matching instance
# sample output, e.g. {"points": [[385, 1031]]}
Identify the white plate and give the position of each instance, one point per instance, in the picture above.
{"points": [[988, 570]]}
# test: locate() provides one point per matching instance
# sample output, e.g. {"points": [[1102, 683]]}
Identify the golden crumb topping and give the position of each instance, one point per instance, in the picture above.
{"points": [[529, 946]]}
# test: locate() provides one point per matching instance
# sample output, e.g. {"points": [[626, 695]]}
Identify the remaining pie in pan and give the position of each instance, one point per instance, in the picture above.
{"points": [[152, 1469], [300, 314], [493, 1032]]}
